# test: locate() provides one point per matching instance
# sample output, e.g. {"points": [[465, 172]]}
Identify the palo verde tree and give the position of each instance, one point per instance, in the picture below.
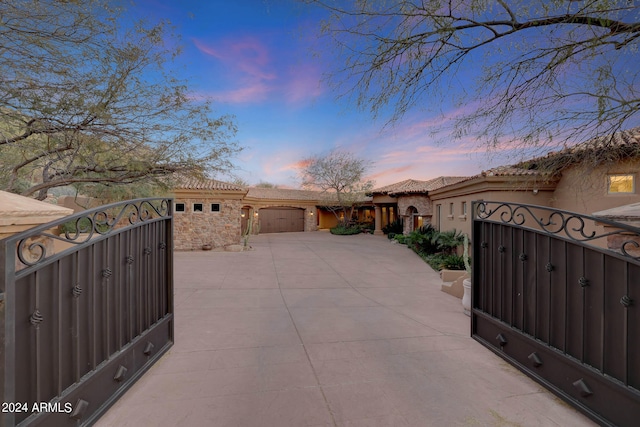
{"points": [[341, 176], [89, 96], [529, 72]]}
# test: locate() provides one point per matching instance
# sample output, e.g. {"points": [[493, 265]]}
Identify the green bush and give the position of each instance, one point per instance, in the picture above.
{"points": [[345, 230], [421, 239], [441, 261], [401, 238], [448, 241], [453, 262], [395, 227]]}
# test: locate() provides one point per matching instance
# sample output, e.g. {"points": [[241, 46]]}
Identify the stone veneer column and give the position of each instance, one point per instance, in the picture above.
{"points": [[378, 221]]}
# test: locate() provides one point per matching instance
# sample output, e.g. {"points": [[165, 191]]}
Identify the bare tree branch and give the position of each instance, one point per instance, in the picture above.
{"points": [[540, 72]]}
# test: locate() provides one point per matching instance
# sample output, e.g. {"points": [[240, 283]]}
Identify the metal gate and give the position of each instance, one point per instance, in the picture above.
{"points": [[85, 312], [551, 299]]}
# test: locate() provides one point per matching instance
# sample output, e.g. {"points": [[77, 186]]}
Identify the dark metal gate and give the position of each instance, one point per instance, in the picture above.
{"points": [[552, 300], [84, 313]]}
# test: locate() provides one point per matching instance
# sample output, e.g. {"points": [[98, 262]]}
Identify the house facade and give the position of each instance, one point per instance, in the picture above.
{"points": [[574, 179], [209, 212], [206, 212], [407, 201], [582, 179], [217, 214]]}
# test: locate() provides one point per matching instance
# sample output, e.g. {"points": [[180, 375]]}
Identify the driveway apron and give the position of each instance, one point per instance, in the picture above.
{"points": [[312, 329]]}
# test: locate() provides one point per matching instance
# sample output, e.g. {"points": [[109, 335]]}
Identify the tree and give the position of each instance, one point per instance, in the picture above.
{"points": [[265, 184], [528, 72], [341, 176], [86, 96]]}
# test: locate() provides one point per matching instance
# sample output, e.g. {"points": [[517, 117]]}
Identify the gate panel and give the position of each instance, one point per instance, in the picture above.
{"points": [[573, 325], [632, 326], [87, 321]]}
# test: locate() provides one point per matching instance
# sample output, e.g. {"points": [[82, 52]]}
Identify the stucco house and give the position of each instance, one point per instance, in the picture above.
{"points": [[407, 200], [596, 175], [574, 179], [216, 213], [206, 212], [593, 176]]}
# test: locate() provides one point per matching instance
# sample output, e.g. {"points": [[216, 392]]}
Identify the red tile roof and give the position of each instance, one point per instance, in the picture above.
{"points": [[190, 183], [411, 186]]}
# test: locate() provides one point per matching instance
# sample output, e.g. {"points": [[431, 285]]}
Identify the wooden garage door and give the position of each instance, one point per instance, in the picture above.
{"points": [[279, 220]]}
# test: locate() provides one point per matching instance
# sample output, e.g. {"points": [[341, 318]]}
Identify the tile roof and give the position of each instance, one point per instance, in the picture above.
{"points": [[190, 183], [511, 171], [284, 194], [409, 186], [594, 151]]}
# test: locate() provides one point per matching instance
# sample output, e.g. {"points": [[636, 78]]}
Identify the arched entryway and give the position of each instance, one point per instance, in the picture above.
{"points": [[414, 219]]}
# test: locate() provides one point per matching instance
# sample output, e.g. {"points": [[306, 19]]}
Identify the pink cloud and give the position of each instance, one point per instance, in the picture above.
{"points": [[255, 76], [304, 83], [390, 172]]}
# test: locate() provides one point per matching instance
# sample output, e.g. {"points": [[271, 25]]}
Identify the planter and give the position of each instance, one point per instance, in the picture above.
{"points": [[466, 297], [207, 247]]}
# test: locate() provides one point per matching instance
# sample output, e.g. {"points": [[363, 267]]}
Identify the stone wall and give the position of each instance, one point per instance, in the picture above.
{"points": [[192, 230], [311, 219], [421, 202]]}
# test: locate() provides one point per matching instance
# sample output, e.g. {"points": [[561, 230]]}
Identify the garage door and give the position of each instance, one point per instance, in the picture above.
{"points": [[280, 220]]}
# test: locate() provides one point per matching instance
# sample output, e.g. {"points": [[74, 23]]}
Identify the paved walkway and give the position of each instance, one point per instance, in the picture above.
{"points": [[311, 329]]}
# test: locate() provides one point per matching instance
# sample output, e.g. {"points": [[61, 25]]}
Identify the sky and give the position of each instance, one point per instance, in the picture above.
{"points": [[255, 60]]}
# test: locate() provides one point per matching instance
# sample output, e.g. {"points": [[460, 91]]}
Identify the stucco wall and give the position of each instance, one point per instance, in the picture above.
{"points": [[462, 222], [219, 229], [585, 191]]}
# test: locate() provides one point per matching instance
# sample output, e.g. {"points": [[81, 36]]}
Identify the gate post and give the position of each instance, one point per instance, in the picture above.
{"points": [[7, 329]]}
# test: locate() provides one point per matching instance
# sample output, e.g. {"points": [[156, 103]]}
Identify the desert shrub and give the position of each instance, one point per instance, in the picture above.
{"points": [[421, 239], [345, 230], [400, 238], [441, 261], [453, 262], [448, 241], [434, 260], [395, 227], [367, 227]]}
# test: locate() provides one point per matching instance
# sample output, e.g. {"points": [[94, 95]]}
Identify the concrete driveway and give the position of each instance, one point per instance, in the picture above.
{"points": [[311, 329]]}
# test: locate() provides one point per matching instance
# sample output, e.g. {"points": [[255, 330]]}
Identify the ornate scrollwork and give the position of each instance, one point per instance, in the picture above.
{"points": [[76, 291], [568, 225], [36, 245], [36, 318]]}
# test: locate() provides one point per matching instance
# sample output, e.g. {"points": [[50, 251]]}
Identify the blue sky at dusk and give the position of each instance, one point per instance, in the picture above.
{"points": [[254, 59]]}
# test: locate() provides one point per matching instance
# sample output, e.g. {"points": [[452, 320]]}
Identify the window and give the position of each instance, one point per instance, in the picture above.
{"points": [[451, 210], [621, 183], [215, 207], [197, 207], [463, 208], [179, 207]]}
